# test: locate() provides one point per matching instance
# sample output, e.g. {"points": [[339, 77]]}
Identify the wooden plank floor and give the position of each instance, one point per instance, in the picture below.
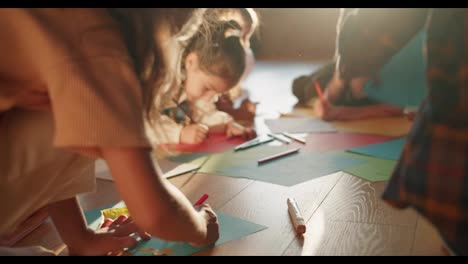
{"points": [[345, 215]]}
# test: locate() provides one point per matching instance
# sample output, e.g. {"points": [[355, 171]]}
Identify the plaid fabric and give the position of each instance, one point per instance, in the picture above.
{"points": [[432, 173]]}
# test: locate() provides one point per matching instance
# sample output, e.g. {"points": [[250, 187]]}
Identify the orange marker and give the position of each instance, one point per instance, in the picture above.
{"points": [[319, 90]]}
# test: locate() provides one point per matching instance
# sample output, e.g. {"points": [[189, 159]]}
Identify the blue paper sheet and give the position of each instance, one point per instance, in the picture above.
{"points": [[403, 78], [231, 228], [387, 150]]}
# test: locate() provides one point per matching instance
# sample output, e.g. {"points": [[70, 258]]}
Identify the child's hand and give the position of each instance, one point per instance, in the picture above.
{"points": [[212, 226], [122, 226], [410, 113], [111, 240], [326, 110], [234, 129], [193, 134]]}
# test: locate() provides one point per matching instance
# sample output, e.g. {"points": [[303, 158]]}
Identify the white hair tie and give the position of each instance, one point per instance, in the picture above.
{"points": [[232, 32]]}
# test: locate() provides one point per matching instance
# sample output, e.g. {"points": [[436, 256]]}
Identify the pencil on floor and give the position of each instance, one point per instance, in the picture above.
{"points": [[283, 140], [277, 156], [252, 143], [300, 140]]}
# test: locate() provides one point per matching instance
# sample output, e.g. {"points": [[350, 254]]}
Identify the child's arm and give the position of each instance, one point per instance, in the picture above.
{"points": [[233, 129], [154, 203], [164, 131], [167, 131], [205, 112], [193, 134], [330, 112], [218, 121], [246, 112]]}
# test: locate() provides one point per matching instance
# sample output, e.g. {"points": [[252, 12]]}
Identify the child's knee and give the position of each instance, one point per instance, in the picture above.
{"points": [[26, 251]]}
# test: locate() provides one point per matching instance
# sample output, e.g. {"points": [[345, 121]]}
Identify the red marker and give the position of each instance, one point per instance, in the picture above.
{"points": [[319, 90], [201, 200], [121, 218], [107, 222]]}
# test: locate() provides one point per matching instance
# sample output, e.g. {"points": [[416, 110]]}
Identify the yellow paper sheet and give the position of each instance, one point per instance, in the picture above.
{"points": [[113, 213]]}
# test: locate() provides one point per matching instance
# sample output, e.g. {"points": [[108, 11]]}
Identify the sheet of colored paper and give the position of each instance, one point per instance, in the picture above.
{"points": [[231, 228], [321, 142], [194, 158], [292, 170], [181, 169], [402, 80], [236, 158], [299, 125], [387, 150], [386, 126], [171, 166], [373, 170]]}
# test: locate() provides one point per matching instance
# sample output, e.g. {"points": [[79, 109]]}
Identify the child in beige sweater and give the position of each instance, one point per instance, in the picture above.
{"points": [[203, 66], [89, 71]]}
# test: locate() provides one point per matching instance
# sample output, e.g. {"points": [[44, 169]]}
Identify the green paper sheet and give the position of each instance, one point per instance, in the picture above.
{"points": [[292, 170], [236, 158], [194, 158], [231, 228], [373, 170], [387, 150]]}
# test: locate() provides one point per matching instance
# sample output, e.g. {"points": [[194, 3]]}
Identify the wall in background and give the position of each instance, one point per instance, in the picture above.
{"points": [[296, 34]]}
